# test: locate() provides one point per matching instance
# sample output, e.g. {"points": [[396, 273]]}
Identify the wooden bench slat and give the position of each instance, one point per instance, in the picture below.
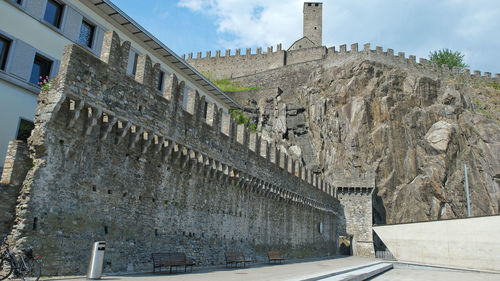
{"points": [[170, 260], [274, 256], [235, 258]]}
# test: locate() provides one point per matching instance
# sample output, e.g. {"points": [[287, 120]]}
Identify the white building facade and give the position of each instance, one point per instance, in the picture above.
{"points": [[33, 34]]}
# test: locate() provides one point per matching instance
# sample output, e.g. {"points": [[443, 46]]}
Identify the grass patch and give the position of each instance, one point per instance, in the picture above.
{"points": [[230, 86], [494, 85], [227, 85]]}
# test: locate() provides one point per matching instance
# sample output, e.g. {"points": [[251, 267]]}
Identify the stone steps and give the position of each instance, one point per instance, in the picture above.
{"points": [[355, 273]]}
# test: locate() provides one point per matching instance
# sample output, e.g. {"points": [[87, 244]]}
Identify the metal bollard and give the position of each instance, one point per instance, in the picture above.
{"points": [[94, 270]]}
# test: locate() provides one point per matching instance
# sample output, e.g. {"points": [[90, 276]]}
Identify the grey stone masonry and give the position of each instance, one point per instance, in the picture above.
{"points": [[117, 160], [241, 66], [313, 21], [16, 165], [357, 211], [17, 162]]}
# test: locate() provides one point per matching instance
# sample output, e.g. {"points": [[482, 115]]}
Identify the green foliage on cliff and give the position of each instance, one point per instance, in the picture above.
{"points": [[494, 85], [241, 118], [227, 85], [230, 86], [448, 57]]}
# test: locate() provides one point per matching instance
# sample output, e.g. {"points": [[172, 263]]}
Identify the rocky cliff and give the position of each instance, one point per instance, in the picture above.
{"points": [[411, 127]]}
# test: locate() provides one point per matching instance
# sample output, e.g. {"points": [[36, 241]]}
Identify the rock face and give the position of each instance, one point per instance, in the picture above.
{"points": [[413, 130]]}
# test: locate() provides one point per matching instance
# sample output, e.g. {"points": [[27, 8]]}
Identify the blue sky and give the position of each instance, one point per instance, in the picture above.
{"points": [[411, 26]]}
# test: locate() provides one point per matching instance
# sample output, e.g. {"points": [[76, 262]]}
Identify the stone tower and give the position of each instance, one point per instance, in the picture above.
{"points": [[313, 21]]}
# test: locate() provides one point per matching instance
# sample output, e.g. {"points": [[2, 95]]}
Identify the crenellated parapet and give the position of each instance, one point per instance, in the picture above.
{"points": [[237, 53], [131, 111], [237, 65], [411, 62]]}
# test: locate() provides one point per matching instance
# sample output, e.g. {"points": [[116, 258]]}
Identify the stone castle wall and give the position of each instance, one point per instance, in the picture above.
{"points": [[116, 160], [16, 165], [313, 22], [305, 55], [357, 210], [237, 66], [229, 66]]}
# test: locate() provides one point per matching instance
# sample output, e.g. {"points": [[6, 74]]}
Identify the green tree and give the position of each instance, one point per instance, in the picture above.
{"points": [[448, 57]]}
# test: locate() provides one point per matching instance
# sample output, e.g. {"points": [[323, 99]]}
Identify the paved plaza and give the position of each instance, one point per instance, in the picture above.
{"points": [[291, 270], [400, 274], [318, 269]]}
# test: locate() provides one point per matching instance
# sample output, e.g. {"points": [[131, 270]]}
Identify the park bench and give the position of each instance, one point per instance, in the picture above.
{"points": [[275, 256], [236, 258], [170, 260]]}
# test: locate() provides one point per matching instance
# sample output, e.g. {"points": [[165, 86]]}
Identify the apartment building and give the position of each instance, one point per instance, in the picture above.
{"points": [[33, 34]]}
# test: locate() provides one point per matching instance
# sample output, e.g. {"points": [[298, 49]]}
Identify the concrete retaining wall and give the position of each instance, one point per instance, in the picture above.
{"points": [[465, 243]]}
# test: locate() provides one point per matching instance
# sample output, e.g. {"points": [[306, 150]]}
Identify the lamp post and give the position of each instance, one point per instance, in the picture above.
{"points": [[467, 190]]}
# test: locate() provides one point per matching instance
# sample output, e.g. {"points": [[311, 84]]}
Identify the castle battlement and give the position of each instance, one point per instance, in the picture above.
{"points": [[411, 62], [151, 171], [230, 66], [237, 53], [164, 141]]}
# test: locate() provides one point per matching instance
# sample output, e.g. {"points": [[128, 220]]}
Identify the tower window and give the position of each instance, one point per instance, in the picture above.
{"points": [[315, 28], [309, 4], [316, 4]]}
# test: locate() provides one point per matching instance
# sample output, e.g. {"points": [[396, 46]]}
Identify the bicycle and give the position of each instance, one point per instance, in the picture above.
{"points": [[23, 265]]}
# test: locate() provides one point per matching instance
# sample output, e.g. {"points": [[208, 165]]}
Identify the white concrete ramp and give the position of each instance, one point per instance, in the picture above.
{"points": [[361, 273]]}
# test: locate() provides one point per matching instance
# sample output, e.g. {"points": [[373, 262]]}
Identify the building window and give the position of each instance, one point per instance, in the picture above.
{"points": [[40, 70], [19, 2], [53, 13], [160, 80], [4, 50], [24, 130], [134, 67], [86, 34]]}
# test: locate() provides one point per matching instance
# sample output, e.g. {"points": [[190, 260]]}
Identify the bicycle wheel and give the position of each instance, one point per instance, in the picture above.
{"points": [[5, 268], [33, 271]]}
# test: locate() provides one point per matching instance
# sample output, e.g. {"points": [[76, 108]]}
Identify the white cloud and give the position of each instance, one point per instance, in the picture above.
{"points": [[195, 5], [414, 27], [252, 23]]}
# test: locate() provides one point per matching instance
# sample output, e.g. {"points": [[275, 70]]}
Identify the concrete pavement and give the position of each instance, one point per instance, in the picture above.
{"points": [[401, 274], [306, 270], [290, 270]]}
